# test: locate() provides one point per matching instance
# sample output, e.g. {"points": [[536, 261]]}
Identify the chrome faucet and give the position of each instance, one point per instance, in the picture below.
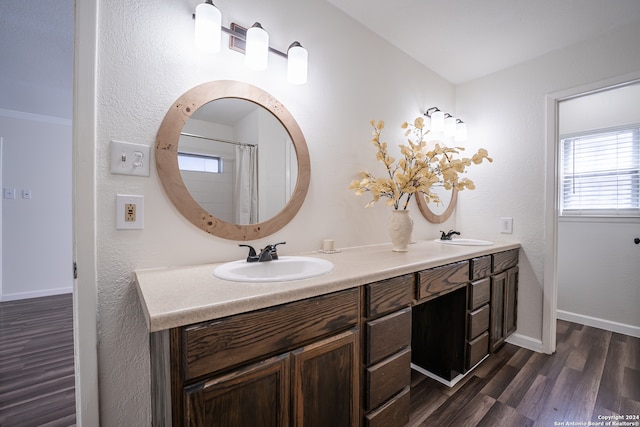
{"points": [[268, 253], [449, 235]]}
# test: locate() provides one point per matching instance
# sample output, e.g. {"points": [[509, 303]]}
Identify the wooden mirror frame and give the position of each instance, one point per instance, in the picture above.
{"points": [[169, 173], [428, 214]]}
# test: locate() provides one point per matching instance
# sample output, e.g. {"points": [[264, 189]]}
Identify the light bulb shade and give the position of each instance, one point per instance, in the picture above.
{"points": [[208, 31], [437, 121], [257, 50], [450, 126], [297, 59], [461, 131]]}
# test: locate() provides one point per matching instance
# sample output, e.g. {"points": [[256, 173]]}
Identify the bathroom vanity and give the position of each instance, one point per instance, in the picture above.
{"points": [[330, 350]]}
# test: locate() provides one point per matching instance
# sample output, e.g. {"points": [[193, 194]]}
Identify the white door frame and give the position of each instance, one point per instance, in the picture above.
{"points": [[85, 308], [550, 291]]}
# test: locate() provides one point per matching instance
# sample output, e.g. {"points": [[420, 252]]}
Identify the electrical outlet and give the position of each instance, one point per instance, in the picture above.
{"points": [[129, 212], [506, 225]]}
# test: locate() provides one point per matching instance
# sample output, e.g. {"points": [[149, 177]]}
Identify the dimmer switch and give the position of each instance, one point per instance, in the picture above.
{"points": [[128, 158], [506, 225]]}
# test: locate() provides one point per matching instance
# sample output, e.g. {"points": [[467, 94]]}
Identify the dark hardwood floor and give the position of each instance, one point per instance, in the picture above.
{"points": [[37, 385], [593, 374]]}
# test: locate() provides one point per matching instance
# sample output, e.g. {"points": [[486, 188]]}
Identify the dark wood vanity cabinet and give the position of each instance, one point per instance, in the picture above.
{"points": [[387, 351], [504, 297], [439, 332], [340, 359], [463, 311], [295, 364]]}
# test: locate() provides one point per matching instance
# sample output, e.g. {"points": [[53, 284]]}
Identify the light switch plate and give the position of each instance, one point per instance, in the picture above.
{"points": [[129, 207], [9, 193], [506, 225], [128, 158]]}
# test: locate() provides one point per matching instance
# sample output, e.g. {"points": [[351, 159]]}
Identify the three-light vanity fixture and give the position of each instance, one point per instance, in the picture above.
{"points": [[253, 42], [446, 123]]}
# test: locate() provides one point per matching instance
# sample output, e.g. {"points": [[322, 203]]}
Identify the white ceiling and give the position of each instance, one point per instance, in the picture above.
{"points": [[36, 42], [462, 40], [459, 39]]}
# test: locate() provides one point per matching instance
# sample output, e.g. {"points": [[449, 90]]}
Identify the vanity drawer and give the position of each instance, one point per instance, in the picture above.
{"points": [[479, 293], [388, 295], [393, 413], [477, 350], [211, 347], [505, 260], [479, 321], [438, 280], [387, 378], [480, 267], [387, 335]]}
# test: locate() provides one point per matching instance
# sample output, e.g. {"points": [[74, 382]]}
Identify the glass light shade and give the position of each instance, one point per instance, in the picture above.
{"points": [[297, 58], [257, 50], [437, 121], [208, 33], [450, 126], [461, 132]]}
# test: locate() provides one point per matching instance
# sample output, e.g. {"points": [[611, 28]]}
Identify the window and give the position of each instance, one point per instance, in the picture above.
{"points": [[600, 173], [199, 163]]}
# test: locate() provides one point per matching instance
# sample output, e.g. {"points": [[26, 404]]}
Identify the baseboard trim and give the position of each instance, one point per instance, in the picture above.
{"points": [[525, 342], [35, 294], [607, 325]]}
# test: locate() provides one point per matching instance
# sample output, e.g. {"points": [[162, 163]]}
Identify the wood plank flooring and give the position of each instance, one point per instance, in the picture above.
{"points": [[37, 385], [593, 374]]}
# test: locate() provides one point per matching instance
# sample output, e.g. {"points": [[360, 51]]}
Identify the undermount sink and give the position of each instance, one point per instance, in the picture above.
{"points": [[284, 269], [465, 242]]}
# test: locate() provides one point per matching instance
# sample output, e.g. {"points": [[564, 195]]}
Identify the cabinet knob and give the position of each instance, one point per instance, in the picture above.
{"points": [[636, 240]]}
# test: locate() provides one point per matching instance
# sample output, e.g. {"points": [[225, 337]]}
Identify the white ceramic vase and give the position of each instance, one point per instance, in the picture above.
{"points": [[400, 226]]}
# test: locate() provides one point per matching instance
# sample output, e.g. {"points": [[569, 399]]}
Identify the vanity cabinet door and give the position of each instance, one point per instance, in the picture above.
{"points": [[257, 395], [497, 337], [511, 301], [326, 382], [504, 306]]}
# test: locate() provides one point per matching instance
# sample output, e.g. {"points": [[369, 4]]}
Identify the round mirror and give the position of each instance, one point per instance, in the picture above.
{"points": [[438, 212], [233, 160]]}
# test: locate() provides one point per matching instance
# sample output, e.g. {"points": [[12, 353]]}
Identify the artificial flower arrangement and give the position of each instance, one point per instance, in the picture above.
{"points": [[417, 170]]}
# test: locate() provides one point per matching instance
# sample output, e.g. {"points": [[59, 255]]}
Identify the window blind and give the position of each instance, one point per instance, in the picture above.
{"points": [[600, 173]]}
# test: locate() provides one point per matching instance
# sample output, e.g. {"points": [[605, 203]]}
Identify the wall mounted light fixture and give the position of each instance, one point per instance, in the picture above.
{"points": [[437, 119], [446, 123], [253, 42], [461, 131], [449, 125]]}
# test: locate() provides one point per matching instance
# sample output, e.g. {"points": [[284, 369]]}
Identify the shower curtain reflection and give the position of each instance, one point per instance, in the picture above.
{"points": [[246, 185]]}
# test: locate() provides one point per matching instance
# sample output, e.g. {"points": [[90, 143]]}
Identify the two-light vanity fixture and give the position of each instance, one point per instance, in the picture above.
{"points": [[446, 123], [253, 42]]}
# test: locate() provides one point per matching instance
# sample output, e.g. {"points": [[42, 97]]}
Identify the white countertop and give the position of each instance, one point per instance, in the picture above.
{"points": [[173, 297]]}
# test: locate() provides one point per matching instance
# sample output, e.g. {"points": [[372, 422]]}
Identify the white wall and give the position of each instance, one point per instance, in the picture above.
{"points": [[598, 265], [146, 60], [36, 232], [506, 114]]}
